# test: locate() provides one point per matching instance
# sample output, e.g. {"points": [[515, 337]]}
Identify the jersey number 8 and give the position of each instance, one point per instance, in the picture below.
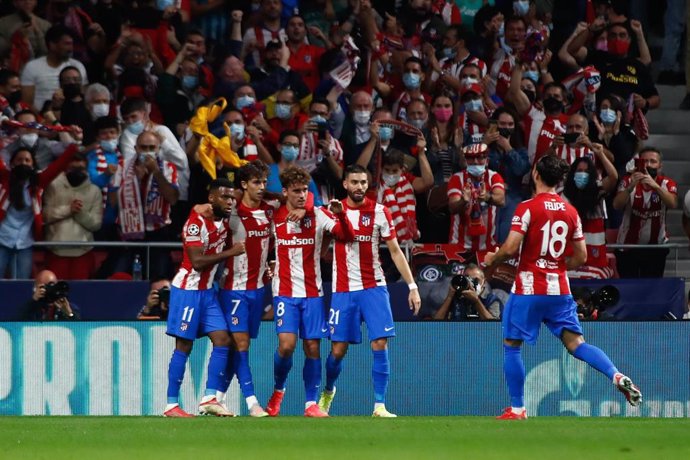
{"points": [[553, 238]]}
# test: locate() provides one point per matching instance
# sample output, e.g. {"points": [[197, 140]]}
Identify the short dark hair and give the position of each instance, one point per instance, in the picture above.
{"points": [[393, 157], [286, 133], [25, 112], [294, 175], [130, 105], [556, 84], [67, 69], [55, 34], [106, 122], [254, 170], [484, 14], [319, 100], [354, 169], [650, 148], [6, 74], [218, 183], [414, 59], [552, 169], [459, 31]]}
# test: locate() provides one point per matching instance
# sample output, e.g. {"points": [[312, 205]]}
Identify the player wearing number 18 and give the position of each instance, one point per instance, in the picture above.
{"points": [[542, 229]]}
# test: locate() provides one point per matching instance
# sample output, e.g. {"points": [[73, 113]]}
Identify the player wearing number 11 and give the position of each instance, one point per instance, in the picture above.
{"points": [[542, 229]]}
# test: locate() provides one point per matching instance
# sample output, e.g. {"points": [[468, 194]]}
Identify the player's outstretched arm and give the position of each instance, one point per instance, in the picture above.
{"points": [[401, 264], [342, 230], [509, 249]]}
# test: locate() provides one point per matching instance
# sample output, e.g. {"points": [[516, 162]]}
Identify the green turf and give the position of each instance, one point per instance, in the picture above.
{"points": [[343, 437]]}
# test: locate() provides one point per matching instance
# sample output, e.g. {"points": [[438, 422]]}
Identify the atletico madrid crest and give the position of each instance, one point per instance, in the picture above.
{"points": [[366, 220], [184, 326], [307, 222]]}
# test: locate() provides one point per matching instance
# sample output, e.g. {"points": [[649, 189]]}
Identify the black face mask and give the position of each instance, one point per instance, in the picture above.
{"points": [[652, 172], [505, 132], [14, 97], [76, 177], [71, 90], [553, 105], [22, 172], [531, 95]]}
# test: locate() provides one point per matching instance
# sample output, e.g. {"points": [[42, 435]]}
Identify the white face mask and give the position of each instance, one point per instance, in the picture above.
{"points": [[100, 110], [390, 179], [29, 139], [362, 117]]}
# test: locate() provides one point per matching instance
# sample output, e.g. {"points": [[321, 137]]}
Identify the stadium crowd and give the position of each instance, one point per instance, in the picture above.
{"points": [[110, 128]]}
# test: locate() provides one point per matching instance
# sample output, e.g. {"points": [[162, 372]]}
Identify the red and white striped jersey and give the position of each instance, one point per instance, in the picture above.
{"points": [[549, 225], [570, 154], [451, 67], [474, 134], [459, 226], [205, 233], [259, 37], [540, 131], [402, 204], [298, 252], [310, 156], [356, 264], [644, 218], [253, 226], [501, 71]]}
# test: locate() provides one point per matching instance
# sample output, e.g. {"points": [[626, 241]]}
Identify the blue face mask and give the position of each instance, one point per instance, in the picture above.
{"points": [[385, 133], [476, 170], [419, 124], [449, 53], [581, 179], [190, 81], [532, 75], [237, 131], [244, 101], [289, 153], [474, 105], [136, 128], [318, 119], [283, 111], [608, 116], [411, 80], [163, 4], [521, 7], [109, 145]]}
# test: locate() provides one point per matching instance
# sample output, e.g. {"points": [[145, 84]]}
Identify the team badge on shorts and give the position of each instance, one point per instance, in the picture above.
{"points": [[184, 326], [235, 320], [280, 322]]}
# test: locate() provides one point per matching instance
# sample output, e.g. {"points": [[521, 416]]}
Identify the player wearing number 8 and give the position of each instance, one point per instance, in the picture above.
{"points": [[542, 229]]}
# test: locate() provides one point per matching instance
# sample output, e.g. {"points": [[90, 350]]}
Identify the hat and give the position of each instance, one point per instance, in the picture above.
{"points": [[472, 87], [475, 150]]}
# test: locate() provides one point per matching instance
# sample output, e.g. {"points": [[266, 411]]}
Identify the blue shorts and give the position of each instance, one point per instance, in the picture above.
{"points": [[523, 315], [348, 309], [303, 315], [194, 314], [243, 310]]}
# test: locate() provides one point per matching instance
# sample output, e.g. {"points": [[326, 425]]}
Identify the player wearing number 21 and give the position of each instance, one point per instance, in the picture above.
{"points": [[298, 293], [542, 229], [359, 289]]}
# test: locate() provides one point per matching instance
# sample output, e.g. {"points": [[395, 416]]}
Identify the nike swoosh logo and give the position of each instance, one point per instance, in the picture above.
{"points": [[280, 224], [324, 330], [244, 218], [386, 329]]}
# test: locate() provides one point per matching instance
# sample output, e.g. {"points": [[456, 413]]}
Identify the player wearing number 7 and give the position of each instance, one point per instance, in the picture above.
{"points": [[542, 229]]}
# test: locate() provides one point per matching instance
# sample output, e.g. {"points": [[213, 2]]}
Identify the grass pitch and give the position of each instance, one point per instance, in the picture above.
{"points": [[342, 437]]}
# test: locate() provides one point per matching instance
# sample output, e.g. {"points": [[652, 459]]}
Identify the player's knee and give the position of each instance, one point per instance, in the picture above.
{"points": [[379, 344], [286, 350], [183, 345], [241, 343], [339, 350], [221, 340], [311, 348]]}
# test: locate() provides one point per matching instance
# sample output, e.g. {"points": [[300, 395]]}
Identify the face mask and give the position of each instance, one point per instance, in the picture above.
{"points": [[474, 105], [109, 145], [318, 119], [581, 179], [602, 45], [476, 170], [505, 132], [237, 131], [362, 117], [71, 90], [411, 80], [531, 95], [652, 172], [14, 97], [289, 153], [190, 81], [75, 177], [608, 116], [469, 81], [419, 124], [244, 101], [100, 110], [532, 75], [443, 115], [22, 172], [136, 128], [521, 8], [449, 53], [142, 156], [553, 105], [163, 4], [390, 179], [385, 133], [284, 111], [618, 47], [29, 139]]}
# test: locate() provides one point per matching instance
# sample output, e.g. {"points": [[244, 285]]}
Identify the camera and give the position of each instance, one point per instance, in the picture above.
{"points": [[462, 283], [462, 308], [56, 291], [592, 303], [164, 295]]}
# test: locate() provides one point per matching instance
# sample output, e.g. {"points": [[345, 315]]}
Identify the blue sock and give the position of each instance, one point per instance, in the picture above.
{"points": [[229, 372], [595, 358], [311, 373], [380, 372], [176, 369], [514, 370], [333, 369], [281, 369], [244, 374], [216, 370]]}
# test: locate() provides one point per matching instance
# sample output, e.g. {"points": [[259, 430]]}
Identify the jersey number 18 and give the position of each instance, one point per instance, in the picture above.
{"points": [[553, 238]]}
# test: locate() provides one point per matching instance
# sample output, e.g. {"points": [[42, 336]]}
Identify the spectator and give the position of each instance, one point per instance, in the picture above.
{"points": [[505, 58], [575, 143], [177, 92], [196, 48], [40, 76], [21, 221], [586, 191], [445, 74], [473, 198], [97, 99], [473, 117], [157, 301], [230, 77], [287, 116], [608, 127], [68, 104], [267, 28], [413, 80], [49, 301], [304, 57], [488, 25], [355, 133], [379, 143], [23, 24], [10, 93], [644, 195], [72, 211], [275, 73], [475, 302]]}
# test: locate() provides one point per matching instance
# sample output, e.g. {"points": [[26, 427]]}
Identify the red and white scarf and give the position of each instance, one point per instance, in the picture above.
{"points": [[401, 203]]}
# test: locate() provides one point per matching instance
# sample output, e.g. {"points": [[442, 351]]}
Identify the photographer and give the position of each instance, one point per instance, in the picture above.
{"points": [[49, 301], [469, 297], [157, 301]]}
